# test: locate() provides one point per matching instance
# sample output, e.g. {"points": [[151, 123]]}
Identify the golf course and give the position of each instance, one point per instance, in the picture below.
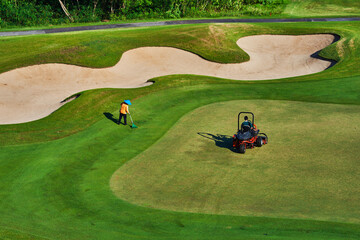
{"points": [[69, 171]]}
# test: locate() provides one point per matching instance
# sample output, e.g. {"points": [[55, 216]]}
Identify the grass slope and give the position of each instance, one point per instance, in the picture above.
{"points": [[55, 172], [322, 8], [309, 170], [104, 48]]}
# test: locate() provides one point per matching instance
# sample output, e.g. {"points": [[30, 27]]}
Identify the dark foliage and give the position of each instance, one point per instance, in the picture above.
{"points": [[46, 12]]}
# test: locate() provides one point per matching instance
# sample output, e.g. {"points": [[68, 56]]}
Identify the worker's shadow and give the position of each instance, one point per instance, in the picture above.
{"points": [[110, 116], [220, 140]]}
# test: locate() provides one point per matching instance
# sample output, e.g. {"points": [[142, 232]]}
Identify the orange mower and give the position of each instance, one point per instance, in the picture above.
{"points": [[248, 135]]}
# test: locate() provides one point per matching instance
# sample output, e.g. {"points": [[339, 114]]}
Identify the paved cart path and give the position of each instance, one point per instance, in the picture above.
{"points": [[176, 22]]}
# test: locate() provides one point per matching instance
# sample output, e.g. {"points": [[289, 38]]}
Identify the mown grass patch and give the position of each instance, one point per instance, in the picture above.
{"points": [[308, 170]]}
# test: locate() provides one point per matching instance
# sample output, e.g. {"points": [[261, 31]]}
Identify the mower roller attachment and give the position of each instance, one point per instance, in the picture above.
{"points": [[247, 137]]}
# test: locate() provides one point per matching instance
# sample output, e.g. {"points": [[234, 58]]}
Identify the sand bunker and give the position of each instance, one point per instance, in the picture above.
{"points": [[31, 93]]}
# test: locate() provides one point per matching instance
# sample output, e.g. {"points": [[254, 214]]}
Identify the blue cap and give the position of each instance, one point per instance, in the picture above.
{"points": [[127, 102]]}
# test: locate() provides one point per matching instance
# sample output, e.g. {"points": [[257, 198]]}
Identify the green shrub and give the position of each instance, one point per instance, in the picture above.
{"points": [[25, 13], [44, 12], [86, 14]]}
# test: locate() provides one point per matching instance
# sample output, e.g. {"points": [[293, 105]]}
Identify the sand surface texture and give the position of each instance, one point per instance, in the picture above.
{"points": [[31, 93]]}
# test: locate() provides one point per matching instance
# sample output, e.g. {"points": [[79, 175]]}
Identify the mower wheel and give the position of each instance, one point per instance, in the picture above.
{"points": [[259, 141], [242, 148]]}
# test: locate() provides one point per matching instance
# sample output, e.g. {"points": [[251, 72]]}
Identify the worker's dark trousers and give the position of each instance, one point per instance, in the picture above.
{"points": [[120, 117]]}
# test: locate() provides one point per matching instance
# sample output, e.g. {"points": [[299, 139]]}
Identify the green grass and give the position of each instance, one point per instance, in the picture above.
{"points": [[309, 169], [322, 8], [215, 42], [55, 172], [104, 48], [60, 189]]}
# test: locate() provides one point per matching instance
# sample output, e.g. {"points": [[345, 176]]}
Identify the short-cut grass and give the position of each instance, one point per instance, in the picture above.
{"points": [[309, 170], [55, 172]]}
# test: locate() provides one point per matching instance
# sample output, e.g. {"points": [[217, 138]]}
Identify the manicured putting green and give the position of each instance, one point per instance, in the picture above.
{"points": [[310, 168]]}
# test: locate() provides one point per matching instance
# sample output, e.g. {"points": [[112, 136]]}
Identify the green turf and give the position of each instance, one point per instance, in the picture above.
{"points": [[60, 189], [55, 172], [322, 8], [103, 48], [309, 169]]}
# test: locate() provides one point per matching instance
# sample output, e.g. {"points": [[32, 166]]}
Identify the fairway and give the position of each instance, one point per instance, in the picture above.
{"points": [[308, 170]]}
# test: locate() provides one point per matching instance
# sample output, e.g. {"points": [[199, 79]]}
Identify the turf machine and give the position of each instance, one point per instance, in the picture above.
{"points": [[248, 137]]}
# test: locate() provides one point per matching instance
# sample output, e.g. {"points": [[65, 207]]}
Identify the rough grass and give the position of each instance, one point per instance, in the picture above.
{"points": [[104, 48], [309, 170], [322, 8], [215, 42]]}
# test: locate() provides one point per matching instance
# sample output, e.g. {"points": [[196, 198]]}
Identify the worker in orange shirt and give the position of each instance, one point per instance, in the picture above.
{"points": [[124, 109]]}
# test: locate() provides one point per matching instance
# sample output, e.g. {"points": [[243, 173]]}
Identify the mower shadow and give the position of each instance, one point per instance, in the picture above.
{"points": [[110, 116], [223, 141]]}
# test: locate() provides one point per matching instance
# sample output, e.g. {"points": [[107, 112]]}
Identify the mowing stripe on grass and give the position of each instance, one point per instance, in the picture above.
{"points": [[309, 170]]}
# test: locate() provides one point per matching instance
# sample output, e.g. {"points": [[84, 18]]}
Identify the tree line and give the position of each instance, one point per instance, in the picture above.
{"points": [[45, 12]]}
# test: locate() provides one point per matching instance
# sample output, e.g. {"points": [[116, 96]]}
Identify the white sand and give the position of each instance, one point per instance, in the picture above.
{"points": [[31, 93]]}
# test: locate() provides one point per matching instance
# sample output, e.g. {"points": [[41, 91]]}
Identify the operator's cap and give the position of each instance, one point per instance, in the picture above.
{"points": [[127, 102]]}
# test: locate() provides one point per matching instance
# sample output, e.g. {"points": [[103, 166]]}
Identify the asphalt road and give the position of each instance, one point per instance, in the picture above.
{"points": [[176, 22]]}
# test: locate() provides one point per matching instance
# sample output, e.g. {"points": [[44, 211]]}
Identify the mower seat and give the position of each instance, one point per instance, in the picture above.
{"points": [[244, 135], [245, 128]]}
